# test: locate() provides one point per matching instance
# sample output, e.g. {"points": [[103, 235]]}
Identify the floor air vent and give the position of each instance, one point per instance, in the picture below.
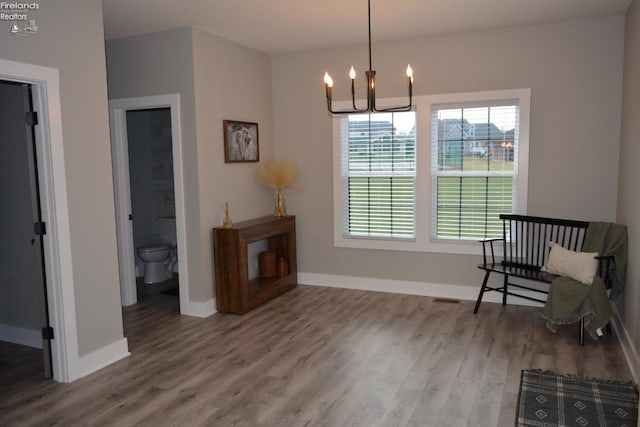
{"points": [[448, 301]]}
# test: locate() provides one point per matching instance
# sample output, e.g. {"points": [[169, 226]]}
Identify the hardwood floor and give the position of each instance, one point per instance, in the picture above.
{"points": [[314, 356]]}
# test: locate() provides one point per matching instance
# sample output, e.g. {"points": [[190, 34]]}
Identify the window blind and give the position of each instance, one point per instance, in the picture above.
{"points": [[378, 174], [474, 169]]}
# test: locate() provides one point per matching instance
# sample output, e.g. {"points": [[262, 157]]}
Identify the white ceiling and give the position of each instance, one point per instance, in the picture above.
{"points": [[279, 26]]}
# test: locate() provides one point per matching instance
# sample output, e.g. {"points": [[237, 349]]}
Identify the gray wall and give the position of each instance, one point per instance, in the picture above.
{"points": [[232, 82], [159, 64], [217, 80], [628, 199], [70, 38], [574, 71], [18, 279]]}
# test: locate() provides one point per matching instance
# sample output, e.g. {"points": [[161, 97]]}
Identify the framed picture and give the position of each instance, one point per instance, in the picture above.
{"points": [[240, 142]]}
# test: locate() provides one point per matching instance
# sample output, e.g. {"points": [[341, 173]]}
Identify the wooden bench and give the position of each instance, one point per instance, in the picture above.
{"points": [[525, 249]]}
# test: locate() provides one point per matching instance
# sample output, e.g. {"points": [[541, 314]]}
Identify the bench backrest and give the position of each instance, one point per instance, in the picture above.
{"points": [[526, 238]]}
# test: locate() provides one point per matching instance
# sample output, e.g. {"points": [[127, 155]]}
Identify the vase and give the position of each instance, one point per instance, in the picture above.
{"points": [[280, 208], [267, 264]]}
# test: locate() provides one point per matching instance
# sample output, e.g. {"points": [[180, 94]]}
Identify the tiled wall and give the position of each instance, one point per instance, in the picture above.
{"points": [[150, 171], [161, 163]]}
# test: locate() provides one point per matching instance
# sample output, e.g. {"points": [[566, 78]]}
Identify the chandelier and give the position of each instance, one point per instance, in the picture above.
{"points": [[371, 87]]}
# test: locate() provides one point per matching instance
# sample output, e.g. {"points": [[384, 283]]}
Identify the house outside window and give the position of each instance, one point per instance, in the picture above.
{"points": [[434, 179], [378, 175], [474, 169]]}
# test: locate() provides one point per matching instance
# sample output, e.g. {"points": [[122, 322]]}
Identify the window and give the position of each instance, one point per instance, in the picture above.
{"points": [[434, 179], [474, 169], [379, 174]]}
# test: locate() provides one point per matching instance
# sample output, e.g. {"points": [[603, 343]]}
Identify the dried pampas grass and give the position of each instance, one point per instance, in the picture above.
{"points": [[278, 174]]}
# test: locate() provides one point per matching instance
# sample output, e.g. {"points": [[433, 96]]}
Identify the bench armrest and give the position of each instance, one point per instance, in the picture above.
{"points": [[604, 268], [484, 249]]}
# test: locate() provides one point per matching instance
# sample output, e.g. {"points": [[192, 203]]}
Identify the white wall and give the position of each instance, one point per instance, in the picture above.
{"points": [[574, 71], [70, 38], [628, 199]]}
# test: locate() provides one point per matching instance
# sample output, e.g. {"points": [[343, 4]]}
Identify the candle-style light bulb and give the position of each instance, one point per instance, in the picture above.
{"points": [[352, 73], [328, 80], [410, 73]]}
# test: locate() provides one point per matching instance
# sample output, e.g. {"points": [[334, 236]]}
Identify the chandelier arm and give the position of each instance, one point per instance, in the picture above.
{"points": [[407, 107], [394, 109], [353, 94], [328, 91], [356, 111], [332, 111], [339, 112], [329, 94]]}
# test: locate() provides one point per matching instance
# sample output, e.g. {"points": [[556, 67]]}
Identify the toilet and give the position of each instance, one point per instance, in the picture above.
{"points": [[156, 259], [160, 257]]}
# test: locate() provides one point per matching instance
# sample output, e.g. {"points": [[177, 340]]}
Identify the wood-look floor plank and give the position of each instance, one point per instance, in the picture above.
{"points": [[314, 356], [399, 410], [488, 398]]}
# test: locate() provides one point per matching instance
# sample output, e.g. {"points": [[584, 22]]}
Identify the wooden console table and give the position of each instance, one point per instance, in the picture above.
{"points": [[235, 293]]}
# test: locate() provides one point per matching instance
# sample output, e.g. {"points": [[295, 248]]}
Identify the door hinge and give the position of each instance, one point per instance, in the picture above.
{"points": [[32, 118], [47, 333], [39, 228]]}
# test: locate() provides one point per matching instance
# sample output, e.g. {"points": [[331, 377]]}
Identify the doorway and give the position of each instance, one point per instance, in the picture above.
{"points": [[121, 112], [24, 313], [152, 200], [45, 88]]}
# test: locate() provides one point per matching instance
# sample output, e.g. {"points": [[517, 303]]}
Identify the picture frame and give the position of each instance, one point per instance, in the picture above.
{"points": [[241, 143]]}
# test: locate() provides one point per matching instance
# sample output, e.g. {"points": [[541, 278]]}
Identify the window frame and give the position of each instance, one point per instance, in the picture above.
{"points": [[424, 106]]}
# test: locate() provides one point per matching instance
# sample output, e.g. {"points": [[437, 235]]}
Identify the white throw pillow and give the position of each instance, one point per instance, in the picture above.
{"points": [[580, 266]]}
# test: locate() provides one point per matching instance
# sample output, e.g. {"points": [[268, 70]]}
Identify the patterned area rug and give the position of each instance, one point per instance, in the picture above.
{"points": [[548, 399]]}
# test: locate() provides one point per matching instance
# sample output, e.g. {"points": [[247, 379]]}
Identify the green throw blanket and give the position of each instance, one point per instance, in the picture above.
{"points": [[569, 301]]}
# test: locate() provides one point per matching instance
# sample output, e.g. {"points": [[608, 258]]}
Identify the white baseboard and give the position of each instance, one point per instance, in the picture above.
{"points": [[118, 350], [201, 309], [630, 353], [21, 336], [435, 290], [98, 359]]}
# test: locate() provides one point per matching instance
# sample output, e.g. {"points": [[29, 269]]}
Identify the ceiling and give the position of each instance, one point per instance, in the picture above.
{"points": [[282, 26]]}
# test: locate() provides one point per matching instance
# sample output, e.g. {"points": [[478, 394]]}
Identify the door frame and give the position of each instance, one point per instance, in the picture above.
{"points": [[122, 191], [45, 83], [37, 241]]}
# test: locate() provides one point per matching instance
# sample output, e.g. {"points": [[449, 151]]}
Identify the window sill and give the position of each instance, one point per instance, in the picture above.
{"points": [[409, 245]]}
